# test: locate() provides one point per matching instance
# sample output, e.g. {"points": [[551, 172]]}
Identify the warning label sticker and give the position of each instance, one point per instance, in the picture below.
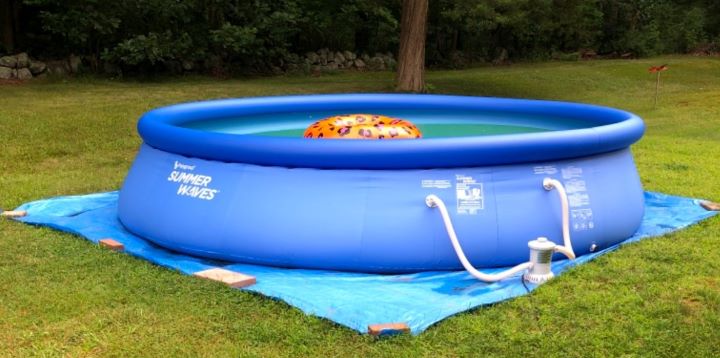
{"points": [[436, 183], [582, 219], [545, 170], [470, 196], [575, 186], [571, 172], [578, 199]]}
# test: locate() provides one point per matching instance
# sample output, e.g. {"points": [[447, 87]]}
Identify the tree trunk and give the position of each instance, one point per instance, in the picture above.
{"points": [[7, 24], [411, 57]]}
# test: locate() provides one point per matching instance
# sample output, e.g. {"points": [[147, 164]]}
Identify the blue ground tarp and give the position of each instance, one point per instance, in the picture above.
{"points": [[351, 299]]}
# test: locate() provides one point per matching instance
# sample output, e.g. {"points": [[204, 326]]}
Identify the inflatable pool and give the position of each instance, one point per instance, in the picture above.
{"points": [[236, 180]]}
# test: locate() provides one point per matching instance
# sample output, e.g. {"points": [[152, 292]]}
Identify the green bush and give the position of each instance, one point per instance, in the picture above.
{"points": [[260, 34]]}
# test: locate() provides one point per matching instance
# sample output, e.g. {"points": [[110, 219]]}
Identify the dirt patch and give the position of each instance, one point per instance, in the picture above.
{"points": [[13, 82], [691, 306]]}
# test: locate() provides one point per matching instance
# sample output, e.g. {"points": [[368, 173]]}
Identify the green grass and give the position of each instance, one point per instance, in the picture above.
{"points": [[61, 295]]}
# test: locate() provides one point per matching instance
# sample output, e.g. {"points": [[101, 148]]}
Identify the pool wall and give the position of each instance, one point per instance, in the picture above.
{"points": [[375, 220]]}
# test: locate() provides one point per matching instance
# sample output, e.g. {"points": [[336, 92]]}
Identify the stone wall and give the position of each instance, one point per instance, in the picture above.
{"points": [[20, 67], [327, 60]]}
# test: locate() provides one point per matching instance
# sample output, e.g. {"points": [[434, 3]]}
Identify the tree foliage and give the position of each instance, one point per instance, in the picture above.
{"points": [[256, 34]]}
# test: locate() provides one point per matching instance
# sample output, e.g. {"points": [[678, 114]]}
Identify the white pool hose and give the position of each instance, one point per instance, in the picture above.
{"points": [[433, 201], [566, 249], [538, 268]]}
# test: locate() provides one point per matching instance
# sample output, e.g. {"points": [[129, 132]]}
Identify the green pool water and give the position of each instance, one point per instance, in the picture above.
{"points": [[432, 124], [435, 130]]}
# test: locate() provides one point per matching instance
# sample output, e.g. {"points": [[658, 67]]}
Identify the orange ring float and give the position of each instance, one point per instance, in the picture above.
{"points": [[363, 126]]}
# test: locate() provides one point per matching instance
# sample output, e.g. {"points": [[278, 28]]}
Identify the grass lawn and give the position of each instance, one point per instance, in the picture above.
{"points": [[61, 295]]}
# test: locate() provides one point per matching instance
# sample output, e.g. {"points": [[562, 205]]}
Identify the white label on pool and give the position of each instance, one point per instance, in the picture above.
{"points": [[582, 219], [192, 185], [435, 183], [572, 172], [544, 170], [470, 196], [581, 215]]}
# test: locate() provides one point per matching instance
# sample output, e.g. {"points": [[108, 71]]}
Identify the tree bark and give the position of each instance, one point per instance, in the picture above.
{"points": [[9, 10], [411, 57]]}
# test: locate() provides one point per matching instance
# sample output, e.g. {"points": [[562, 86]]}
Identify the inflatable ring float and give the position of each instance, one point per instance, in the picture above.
{"points": [[363, 126]]}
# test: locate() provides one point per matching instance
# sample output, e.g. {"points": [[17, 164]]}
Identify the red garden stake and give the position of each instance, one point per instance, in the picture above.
{"points": [[657, 70]]}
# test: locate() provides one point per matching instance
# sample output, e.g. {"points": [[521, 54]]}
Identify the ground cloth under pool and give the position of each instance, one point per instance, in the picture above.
{"points": [[351, 299]]}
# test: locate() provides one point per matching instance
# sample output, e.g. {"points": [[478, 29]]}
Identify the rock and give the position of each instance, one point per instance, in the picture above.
{"points": [[23, 74], [502, 58], [349, 63], [293, 58], [213, 63], [58, 68], [8, 61], [323, 59], [188, 65], [312, 57], [376, 64], [23, 61], [37, 67], [6, 73], [74, 62], [457, 59], [587, 54], [348, 55], [365, 57], [332, 66], [339, 58], [359, 63]]}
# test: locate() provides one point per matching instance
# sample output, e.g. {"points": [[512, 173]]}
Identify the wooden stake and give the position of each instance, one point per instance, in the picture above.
{"points": [[112, 244], [657, 88], [382, 329], [230, 278], [710, 206], [14, 214]]}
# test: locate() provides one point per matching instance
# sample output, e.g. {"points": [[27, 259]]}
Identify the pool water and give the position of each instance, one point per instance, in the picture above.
{"points": [[436, 130], [433, 124]]}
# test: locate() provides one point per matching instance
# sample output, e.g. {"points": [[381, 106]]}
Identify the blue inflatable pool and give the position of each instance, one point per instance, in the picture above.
{"points": [[235, 180]]}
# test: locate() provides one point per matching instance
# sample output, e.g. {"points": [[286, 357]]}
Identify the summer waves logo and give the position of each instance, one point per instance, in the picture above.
{"points": [[191, 184]]}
